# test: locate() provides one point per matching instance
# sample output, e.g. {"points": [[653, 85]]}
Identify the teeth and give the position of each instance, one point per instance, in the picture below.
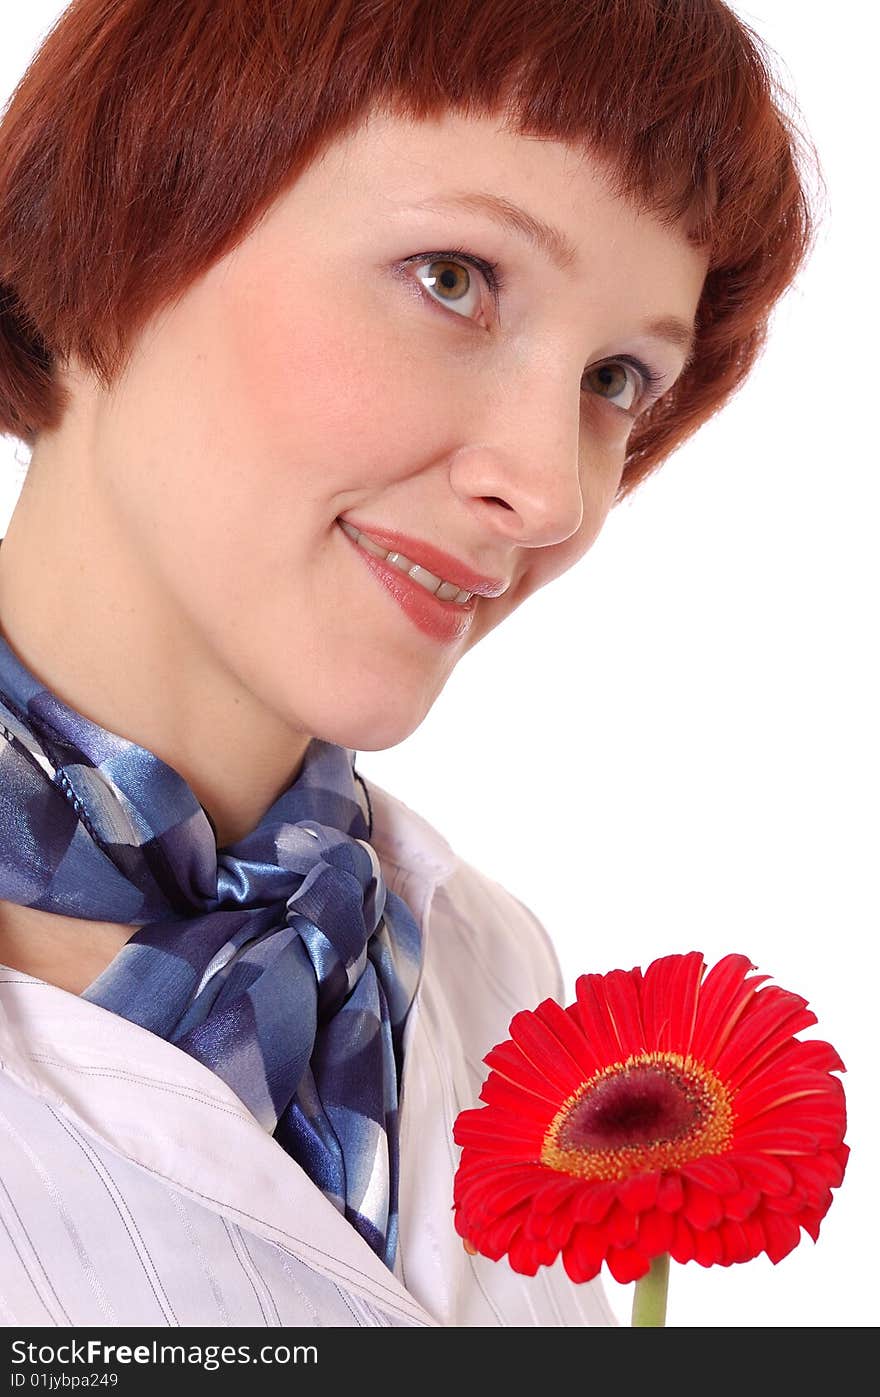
{"points": [[400, 561], [427, 579], [445, 591], [367, 543]]}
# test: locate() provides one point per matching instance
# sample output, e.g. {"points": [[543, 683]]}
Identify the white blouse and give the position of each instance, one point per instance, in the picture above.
{"points": [[137, 1190]]}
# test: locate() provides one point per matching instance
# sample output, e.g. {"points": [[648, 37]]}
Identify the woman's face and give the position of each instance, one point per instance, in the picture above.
{"points": [[355, 359]]}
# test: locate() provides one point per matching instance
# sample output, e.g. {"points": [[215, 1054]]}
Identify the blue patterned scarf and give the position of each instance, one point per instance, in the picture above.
{"points": [[282, 962]]}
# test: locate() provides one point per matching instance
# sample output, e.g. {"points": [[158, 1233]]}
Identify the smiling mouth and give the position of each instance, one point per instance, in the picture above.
{"points": [[435, 586]]}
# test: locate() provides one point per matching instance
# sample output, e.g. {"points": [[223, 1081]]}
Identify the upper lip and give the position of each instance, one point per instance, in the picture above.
{"points": [[435, 560]]}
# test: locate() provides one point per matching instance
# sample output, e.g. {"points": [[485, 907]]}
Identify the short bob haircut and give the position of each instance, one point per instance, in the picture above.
{"points": [[147, 137]]}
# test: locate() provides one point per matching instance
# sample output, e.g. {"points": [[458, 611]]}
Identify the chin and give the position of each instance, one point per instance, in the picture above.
{"points": [[370, 726]]}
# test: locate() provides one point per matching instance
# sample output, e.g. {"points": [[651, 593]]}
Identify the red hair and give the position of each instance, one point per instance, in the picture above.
{"points": [[145, 139]]}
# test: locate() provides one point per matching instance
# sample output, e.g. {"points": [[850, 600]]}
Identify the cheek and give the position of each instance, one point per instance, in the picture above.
{"points": [[328, 387], [323, 387], [294, 375], [565, 556]]}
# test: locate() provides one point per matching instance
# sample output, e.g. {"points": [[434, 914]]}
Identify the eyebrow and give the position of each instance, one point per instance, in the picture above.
{"points": [[549, 240], [560, 250], [676, 332]]}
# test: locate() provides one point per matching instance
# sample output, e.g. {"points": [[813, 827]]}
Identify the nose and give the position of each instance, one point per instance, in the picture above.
{"points": [[523, 477]]}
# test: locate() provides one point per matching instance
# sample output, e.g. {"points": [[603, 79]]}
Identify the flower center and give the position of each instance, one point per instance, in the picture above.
{"points": [[655, 1111], [636, 1107]]}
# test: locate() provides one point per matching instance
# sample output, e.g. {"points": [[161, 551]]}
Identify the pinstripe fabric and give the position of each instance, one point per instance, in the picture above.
{"points": [[128, 1249], [281, 962]]}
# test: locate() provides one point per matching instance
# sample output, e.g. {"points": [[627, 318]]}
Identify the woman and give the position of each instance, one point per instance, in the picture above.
{"points": [[336, 330]]}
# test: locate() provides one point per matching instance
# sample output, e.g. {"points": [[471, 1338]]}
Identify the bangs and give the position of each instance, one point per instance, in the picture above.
{"points": [[145, 141]]}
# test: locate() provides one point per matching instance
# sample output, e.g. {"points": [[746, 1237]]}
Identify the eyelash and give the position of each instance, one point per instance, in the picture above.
{"points": [[496, 281]]}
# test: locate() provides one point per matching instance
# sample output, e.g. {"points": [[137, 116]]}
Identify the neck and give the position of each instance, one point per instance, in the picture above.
{"points": [[90, 620]]}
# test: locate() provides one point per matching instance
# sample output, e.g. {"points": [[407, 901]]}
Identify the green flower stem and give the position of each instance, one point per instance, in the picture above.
{"points": [[649, 1300]]}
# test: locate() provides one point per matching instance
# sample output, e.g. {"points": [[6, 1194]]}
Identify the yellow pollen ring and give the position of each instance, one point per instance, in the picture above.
{"points": [[712, 1132]]}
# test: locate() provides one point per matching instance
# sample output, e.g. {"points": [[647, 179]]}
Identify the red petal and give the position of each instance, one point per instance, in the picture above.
{"points": [[738, 1066], [524, 1256], [624, 1013], [498, 1091], [841, 1153], [708, 1250], [579, 1271], [495, 1240], [537, 1225], [817, 1174], [684, 996], [670, 1195], [475, 1161], [494, 1202], [487, 1128], [702, 1208], [781, 1234], [655, 1003], [753, 1227], [477, 1171], [786, 1067], [594, 1202], [545, 1053], [665, 1022], [548, 1207], [804, 1088], [724, 995], [793, 1055], [716, 1174], [552, 1230], [597, 1025], [777, 1141], [734, 1242], [562, 1225], [620, 1227], [683, 1243], [639, 1192], [656, 1231], [738, 1206], [508, 1061], [471, 1193], [788, 1203], [546, 1253], [570, 1036], [811, 1219], [773, 1014], [584, 1253], [821, 1056], [768, 1175], [817, 1125], [627, 1264], [555, 1193]]}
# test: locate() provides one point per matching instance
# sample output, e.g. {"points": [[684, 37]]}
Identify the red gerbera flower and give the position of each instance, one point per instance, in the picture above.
{"points": [[659, 1113]]}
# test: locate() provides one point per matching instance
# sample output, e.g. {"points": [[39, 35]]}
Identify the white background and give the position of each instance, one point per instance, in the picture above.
{"points": [[674, 747]]}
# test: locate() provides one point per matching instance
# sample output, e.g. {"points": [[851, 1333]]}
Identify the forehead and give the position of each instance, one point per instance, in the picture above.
{"points": [[454, 171], [409, 158]]}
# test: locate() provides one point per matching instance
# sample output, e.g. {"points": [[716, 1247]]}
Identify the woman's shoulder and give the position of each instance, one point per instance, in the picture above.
{"points": [[493, 932], [403, 837]]}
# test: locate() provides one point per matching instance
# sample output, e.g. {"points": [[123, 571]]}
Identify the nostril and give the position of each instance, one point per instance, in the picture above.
{"points": [[494, 499]]}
